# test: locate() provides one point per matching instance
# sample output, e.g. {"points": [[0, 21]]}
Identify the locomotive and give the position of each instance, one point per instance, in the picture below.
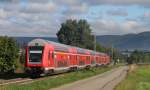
{"points": [[45, 57]]}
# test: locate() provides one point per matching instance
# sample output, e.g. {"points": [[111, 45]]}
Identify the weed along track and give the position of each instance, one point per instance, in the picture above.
{"points": [[42, 78], [17, 80], [28, 80]]}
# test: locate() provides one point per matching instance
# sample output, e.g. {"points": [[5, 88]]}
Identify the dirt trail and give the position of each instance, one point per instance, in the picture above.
{"points": [[105, 81]]}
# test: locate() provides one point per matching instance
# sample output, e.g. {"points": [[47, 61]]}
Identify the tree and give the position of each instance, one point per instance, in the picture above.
{"points": [[76, 33], [8, 55], [138, 57], [79, 33]]}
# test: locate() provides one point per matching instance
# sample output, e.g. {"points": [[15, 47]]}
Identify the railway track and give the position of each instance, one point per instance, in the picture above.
{"points": [[17, 80], [28, 80]]}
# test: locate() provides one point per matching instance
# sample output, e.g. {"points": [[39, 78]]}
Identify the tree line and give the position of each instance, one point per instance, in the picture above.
{"points": [[139, 56]]}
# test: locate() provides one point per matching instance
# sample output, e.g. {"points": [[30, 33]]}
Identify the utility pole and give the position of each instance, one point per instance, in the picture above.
{"points": [[95, 43], [94, 46], [112, 52]]}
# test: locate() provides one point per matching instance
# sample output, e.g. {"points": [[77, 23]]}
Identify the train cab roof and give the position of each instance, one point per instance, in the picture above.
{"points": [[37, 42]]}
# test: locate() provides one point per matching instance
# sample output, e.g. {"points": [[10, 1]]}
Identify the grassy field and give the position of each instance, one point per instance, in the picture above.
{"points": [[54, 82], [138, 79]]}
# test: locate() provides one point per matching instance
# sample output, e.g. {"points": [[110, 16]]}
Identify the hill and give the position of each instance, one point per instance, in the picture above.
{"points": [[24, 40], [123, 42], [139, 41]]}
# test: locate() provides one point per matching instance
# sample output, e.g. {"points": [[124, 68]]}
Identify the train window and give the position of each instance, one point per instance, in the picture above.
{"points": [[35, 57], [36, 48], [35, 54]]}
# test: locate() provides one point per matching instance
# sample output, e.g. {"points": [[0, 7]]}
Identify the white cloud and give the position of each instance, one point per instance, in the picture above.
{"points": [[3, 14], [130, 25], [76, 9], [117, 12], [147, 15], [43, 18], [40, 7], [145, 3], [105, 27], [81, 8]]}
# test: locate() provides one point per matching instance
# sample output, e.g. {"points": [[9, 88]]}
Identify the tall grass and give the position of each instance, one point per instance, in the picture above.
{"points": [[138, 79]]}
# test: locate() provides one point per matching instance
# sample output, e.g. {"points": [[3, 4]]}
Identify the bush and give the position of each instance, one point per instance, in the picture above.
{"points": [[8, 55]]}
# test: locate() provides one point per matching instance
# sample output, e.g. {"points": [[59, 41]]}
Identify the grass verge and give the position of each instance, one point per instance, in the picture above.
{"points": [[49, 83], [137, 79]]}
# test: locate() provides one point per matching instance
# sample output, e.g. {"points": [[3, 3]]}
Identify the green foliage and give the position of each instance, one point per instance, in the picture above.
{"points": [[117, 57], [139, 57], [76, 33], [8, 55], [146, 58], [22, 56], [100, 48], [136, 56], [115, 54]]}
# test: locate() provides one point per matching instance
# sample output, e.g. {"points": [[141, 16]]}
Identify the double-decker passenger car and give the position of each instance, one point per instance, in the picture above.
{"points": [[43, 57]]}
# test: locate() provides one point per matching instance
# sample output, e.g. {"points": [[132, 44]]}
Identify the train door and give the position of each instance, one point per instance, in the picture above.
{"points": [[88, 60], [82, 60], [71, 60], [74, 60], [51, 59]]}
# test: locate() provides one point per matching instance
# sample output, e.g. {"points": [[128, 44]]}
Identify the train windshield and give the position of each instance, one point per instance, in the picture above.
{"points": [[35, 54]]}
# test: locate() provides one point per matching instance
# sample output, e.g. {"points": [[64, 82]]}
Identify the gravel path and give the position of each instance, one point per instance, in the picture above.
{"points": [[105, 81]]}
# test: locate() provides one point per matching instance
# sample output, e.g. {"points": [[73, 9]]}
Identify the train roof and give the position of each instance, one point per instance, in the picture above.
{"points": [[62, 47], [57, 46]]}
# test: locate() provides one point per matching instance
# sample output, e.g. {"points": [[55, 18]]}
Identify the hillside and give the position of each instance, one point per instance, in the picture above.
{"points": [[129, 41], [24, 40], [122, 42]]}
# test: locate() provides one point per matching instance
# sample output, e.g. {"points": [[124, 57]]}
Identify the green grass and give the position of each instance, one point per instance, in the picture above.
{"points": [[139, 79], [55, 82]]}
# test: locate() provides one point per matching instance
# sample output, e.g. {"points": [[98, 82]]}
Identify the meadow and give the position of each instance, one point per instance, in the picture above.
{"points": [[138, 78]]}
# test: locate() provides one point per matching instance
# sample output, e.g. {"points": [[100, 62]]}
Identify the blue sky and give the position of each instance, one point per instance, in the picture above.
{"points": [[44, 17]]}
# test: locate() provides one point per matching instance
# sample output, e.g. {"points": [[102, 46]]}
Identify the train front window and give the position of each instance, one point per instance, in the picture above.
{"points": [[35, 54]]}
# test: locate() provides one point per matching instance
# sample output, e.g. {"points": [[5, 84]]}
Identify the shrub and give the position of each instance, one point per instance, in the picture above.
{"points": [[8, 55]]}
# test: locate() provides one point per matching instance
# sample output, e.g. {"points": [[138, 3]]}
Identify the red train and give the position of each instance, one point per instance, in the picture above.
{"points": [[44, 57]]}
